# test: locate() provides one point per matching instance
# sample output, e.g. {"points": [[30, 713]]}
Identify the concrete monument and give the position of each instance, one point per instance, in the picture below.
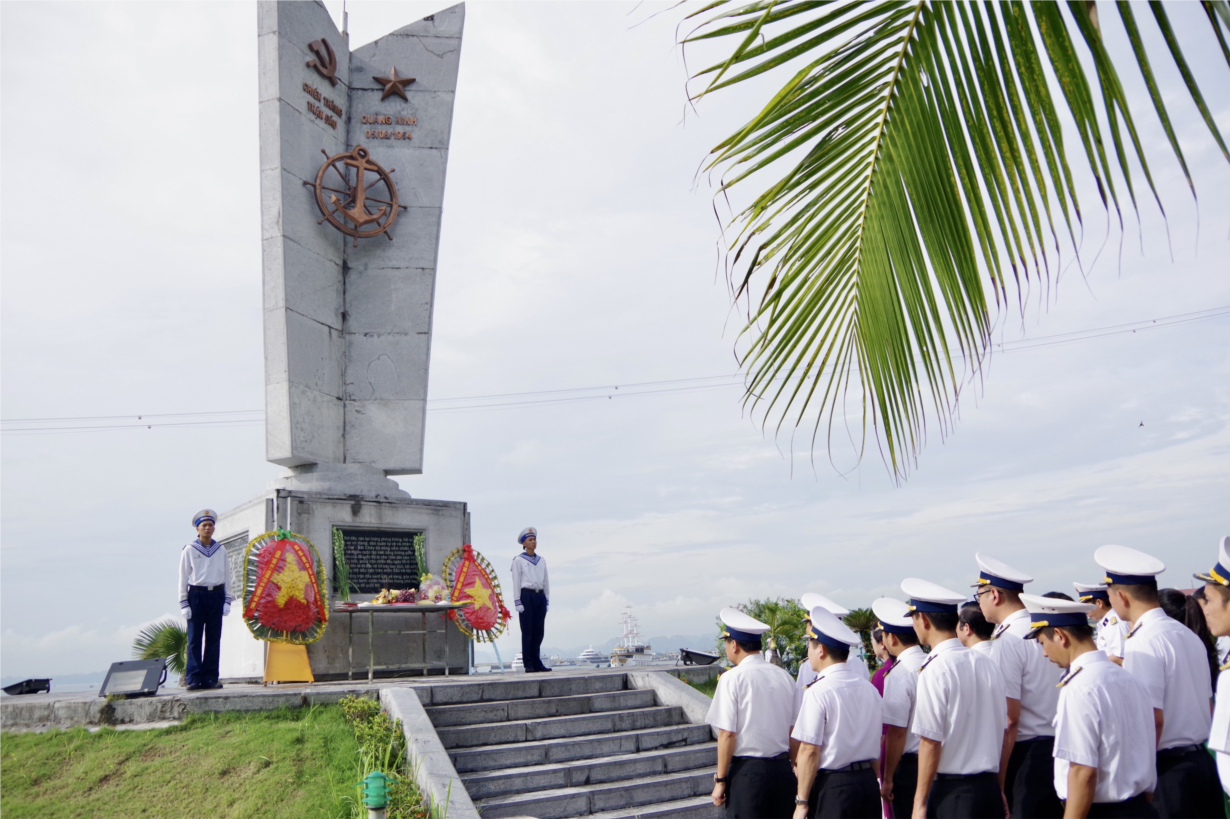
{"points": [[354, 147]]}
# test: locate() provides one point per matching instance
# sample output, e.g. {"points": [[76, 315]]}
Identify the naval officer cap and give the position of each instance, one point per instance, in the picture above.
{"points": [[204, 515], [1053, 612], [740, 626], [528, 531], [1128, 567], [823, 625], [930, 597], [810, 600], [1088, 592], [1220, 573], [999, 574], [894, 615]]}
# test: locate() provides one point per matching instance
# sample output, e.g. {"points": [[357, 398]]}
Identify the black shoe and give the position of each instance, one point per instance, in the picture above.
{"points": [[544, 668], [215, 685], [194, 687]]}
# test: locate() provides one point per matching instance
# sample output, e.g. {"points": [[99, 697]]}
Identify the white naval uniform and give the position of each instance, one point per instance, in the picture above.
{"points": [[1105, 721], [530, 573], [1219, 734], [985, 647], [806, 676], [1169, 660], [901, 693], [203, 566], [961, 704], [756, 701], [1028, 676], [841, 713], [1109, 638]]}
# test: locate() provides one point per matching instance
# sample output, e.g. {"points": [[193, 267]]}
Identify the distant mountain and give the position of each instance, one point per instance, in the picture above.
{"points": [[659, 645]]}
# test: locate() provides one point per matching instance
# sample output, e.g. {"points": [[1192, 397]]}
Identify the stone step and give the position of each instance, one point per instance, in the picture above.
{"points": [[502, 733], [531, 686], [508, 781], [590, 799], [698, 807], [474, 713], [522, 754]]}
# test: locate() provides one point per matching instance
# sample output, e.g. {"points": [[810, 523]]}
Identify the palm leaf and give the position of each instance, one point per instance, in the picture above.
{"points": [[167, 638], [913, 177]]}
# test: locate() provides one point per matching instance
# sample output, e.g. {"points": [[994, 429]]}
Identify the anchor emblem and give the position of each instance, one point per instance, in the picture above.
{"points": [[325, 62], [347, 204]]}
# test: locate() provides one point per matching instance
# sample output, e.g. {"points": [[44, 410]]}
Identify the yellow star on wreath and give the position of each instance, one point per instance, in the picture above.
{"points": [[291, 581], [479, 594]]}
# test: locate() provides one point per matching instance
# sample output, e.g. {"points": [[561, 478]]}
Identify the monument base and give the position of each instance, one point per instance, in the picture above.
{"points": [[313, 502]]}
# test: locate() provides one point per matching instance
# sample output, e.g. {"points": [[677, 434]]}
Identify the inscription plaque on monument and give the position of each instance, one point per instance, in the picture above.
{"points": [[380, 559]]}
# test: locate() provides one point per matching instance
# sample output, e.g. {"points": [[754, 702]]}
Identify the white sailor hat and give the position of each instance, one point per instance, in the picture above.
{"points": [[999, 574], [1220, 573], [824, 626], [930, 597], [204, 515], [1088, 592], [1050, 612], [894, 615], [528, 531], [810, 600], [1128, 566], [740, 626]]}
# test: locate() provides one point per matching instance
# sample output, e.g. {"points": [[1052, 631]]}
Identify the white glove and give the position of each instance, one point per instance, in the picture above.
{"points": [[520, 608], [187, 610], [226, 609]]}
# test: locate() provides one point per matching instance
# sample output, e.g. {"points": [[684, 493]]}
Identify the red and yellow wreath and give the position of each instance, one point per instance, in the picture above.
{"points": [[283, 598]]}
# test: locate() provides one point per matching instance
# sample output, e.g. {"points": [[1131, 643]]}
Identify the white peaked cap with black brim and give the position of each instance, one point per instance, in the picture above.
{"points": [[824, 626], [810, 600], [1219, 574], [929, 597], [1052, 612], [1128, 567], [740, 626], [894, 615], [1088, 592], [999, 574]]}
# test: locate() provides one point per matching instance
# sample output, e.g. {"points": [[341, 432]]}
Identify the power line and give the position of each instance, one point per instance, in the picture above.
{"points": [[572, 394]]}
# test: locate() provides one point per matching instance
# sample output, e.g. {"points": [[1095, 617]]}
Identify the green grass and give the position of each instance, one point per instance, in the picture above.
{"points": [[707, 687], [298, 764]]}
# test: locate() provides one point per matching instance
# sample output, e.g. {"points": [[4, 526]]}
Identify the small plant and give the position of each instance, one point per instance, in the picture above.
{"points": [[382, 747], [169, 639], [341, 569]]}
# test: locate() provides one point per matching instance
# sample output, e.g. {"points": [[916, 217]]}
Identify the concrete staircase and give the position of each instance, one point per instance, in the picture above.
{"points": [[575, 746]]}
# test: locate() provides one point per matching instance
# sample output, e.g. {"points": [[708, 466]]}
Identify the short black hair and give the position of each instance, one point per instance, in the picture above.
{"points": [[877, 635], [1140, 592], [1058, 596], [971, 615], [1080, 632], [909, 638], [839, 653], [941, 620], [747, 645]]}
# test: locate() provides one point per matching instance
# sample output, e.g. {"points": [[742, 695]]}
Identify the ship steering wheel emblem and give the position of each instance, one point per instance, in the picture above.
{"points": [[356, 195]]}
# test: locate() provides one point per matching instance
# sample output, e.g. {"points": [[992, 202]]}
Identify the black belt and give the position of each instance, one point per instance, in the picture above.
{"points": [[782, 755], [532, 591], [853, 766], [208, 588], [1181, 750], [964, 776]]}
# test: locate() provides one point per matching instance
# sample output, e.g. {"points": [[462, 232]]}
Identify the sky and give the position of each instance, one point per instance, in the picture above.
{"points": [[579, 249]]}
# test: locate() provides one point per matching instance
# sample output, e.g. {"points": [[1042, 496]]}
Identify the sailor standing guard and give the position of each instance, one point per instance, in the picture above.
{"points": [[1026, 767], [836, 736], [204, 599], [1214, 601], [752, 711], [1111, 630], [1103, 724], [533, 590], [809, 601], [900, 774], [1170, 661], [960, 713]]}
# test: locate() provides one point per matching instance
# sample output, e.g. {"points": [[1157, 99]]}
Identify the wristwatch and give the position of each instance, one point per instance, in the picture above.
{"points": [[799, 801], [721, 779]]}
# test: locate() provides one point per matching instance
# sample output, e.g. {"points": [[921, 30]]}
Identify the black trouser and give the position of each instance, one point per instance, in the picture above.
{"points": [[1187, 785], [1135, 808], [532, 620], [845, 794], [204, 634], [760, 788], [965, 796], [905, 782], [1030, 783]]}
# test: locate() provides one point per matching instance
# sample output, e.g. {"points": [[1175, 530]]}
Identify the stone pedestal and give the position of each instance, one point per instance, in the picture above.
{"points": [[314, 512]]}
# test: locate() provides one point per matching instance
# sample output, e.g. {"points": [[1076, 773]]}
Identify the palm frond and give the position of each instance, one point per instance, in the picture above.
{"points": [[915, 176], [167, 638]]}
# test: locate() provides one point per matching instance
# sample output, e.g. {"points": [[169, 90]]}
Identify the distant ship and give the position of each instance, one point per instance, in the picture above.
{"points": [[591, 657], [632, 650], [517, 663]]}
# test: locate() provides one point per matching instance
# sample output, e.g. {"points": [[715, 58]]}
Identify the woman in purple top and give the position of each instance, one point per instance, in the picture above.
{"points": [[877, 679]]}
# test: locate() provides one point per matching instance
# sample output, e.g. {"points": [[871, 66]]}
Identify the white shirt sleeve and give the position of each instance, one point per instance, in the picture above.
{"points": [[516, 580], [812, 719], [546, 582], [184, 568], [898, 698], [228, 592], [723, 711], [931, 705], [1076, 737], [1150, 671], [1011, 663]]}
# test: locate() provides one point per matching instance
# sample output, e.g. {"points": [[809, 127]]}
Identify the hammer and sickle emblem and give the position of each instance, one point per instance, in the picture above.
{"points": [[326, 61]]}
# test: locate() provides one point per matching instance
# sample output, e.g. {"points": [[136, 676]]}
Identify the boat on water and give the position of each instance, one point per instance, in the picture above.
{"points": [[632, 650], [517, 663], [594, 658]]}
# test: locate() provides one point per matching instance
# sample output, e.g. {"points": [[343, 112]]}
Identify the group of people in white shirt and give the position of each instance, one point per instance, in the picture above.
{"points": [[1007, 705]]}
